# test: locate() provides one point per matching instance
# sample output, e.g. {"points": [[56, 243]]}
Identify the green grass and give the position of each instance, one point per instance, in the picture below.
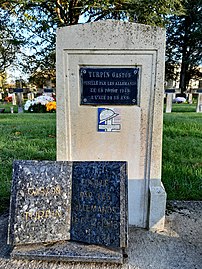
{"points": [[182, 153], [7, 107], [24, 136], [27, 136], [184, 107]]}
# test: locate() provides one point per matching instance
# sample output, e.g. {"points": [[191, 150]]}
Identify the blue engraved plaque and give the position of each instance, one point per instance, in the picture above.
{"points": [[99, 203], [109, 86]]}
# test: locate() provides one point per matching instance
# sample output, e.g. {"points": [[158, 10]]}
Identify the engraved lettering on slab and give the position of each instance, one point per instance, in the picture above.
{"points": [[99, 203], [40, 202], [44, 191], [117, 86]]}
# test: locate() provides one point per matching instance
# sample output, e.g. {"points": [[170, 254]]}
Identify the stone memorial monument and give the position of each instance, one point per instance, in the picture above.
{"points": [[56, 203], [109, 141], [110, 86]]}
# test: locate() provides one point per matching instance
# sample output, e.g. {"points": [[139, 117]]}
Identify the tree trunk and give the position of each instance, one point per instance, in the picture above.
{"points": [[183, 75], [185, 57]]}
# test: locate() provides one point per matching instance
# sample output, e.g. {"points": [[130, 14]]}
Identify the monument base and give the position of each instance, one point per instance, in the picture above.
{"points": [[68, 251], [157, 206]]}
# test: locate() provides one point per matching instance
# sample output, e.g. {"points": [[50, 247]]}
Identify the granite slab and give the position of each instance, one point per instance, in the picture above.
{"points": [[40, 208], [78, 201], [69, 252], [99, 203]]}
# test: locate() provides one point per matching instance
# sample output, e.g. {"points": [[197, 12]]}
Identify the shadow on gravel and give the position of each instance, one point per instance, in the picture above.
{"points": [[179, 246]]}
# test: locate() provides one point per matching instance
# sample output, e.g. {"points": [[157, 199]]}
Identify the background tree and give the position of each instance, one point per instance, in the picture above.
{"points": [[153, 12], [36, 22], [184, 44], [10, 43]]}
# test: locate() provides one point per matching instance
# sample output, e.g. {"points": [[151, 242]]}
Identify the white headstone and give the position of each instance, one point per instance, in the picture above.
{"points": [[14, 99], [110, 86], [170, 95], [30, 96], [199, 101], [190, 97]]}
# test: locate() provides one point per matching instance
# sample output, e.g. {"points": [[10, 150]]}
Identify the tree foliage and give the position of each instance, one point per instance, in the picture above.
{"points": [[9, 43], [184, 43], [35, 23], [153, 12]]}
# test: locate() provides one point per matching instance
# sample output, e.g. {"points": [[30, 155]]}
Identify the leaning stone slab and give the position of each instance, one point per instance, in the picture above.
{"points": [[99, 203], [69, 252], [40, 206]]}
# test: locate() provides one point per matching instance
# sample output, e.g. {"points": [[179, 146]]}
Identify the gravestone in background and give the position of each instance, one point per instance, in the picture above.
{"points": [[19, 99], [199, 101], [14, 99], [169, 99], [48, 91]]}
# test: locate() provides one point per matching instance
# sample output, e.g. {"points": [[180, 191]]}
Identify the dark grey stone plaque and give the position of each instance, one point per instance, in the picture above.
{"points": [[48, 90], [99, 203], [40, 202], [169, 90], [18, 90], [109, 86]]}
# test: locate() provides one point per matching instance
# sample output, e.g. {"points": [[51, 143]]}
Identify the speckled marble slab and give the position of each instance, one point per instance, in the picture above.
{"points": [[70, 252], [40, 209], [79, 201], [99, 203]]}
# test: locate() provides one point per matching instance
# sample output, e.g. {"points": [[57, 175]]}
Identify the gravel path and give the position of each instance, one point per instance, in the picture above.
{"points": [[179, 246]]}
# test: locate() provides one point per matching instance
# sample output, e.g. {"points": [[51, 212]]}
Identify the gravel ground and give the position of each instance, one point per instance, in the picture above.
{"points": [[179, 246]]}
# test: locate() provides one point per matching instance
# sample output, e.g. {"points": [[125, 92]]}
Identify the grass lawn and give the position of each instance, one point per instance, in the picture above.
{"points": [[32, 137], [182, 153], [8, 106], [24, 137]]}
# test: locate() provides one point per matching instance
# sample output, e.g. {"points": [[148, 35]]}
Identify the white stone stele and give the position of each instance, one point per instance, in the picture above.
{"points": [[14, 99], [190, 98], [169, 102], [116, 44], [199, 103]]}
